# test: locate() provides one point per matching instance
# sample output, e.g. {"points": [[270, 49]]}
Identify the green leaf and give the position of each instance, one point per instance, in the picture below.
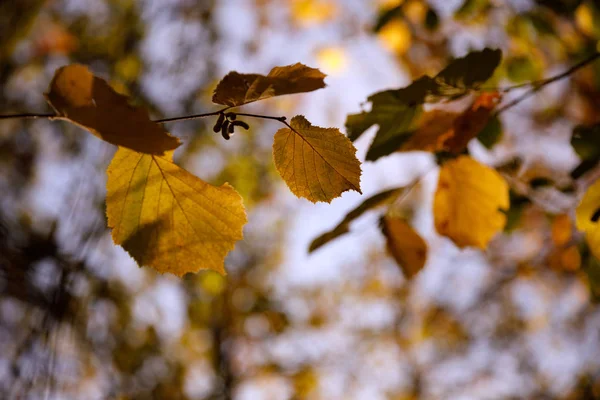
{"points": [[521, 69], [491, 133], [586, 141], [396, 112], [342, 228], [467, 73]]}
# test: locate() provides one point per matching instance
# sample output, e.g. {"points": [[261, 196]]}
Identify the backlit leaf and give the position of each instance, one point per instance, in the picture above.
{"points": [[396, 112], [88, 101], [169, 219], [318, 164], [467, 73], [236, 89], [587, 217], [343, 227], [469, 202], [451, 132], [406, 246]]}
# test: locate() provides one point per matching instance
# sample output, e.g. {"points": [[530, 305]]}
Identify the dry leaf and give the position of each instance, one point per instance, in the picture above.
{"points": [[406, 246], [447, 131], [587, 218], [561, 230], [469, 201], [236, 89], [435, 127], [88, 101], [169, 219], [318, 164]]}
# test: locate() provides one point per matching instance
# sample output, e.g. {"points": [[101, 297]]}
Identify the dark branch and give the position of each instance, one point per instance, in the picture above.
{"points": [[536, 86]]}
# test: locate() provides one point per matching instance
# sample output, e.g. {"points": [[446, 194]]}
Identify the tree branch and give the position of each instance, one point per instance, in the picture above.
{"points": [[536, 86]]}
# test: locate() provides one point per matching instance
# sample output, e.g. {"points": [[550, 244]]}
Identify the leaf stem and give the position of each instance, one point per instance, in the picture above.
{"points": [[536, 86]]}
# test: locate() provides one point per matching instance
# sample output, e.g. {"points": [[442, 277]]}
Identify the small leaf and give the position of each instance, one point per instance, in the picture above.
{"points": [[469, 201], [491, 133], [342, 228], [236, 89], [435, 128], [467, 73], [169, 219], [318, 164], [88, 101], [406, 246], [586, 220]]}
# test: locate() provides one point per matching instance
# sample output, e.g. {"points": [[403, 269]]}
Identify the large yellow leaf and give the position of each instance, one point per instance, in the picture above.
{"points": [[88, 101], [236, 89], [469, 202], [316, 163], [406, 246], [587, 218], [169, 219]]}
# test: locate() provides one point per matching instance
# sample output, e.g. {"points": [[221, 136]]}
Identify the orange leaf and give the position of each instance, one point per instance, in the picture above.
{"points": [[88, 101], [405, 245]]}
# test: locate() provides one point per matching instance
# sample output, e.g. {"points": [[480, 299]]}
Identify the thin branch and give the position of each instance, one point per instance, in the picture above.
{"points": [[27, 115], [280, 119], [188, 117], [536, 86]]}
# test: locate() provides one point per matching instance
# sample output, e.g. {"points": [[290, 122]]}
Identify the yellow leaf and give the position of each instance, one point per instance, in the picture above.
{"points": [[236, 89], [316, 163], [469, 201], [587, 217], [88, 101], [332, 59], [396, 36], [561, 230], [169, 219], [309, 12], [406, 246]]}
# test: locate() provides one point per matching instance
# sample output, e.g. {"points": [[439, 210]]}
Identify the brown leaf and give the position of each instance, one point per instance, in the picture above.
{"points": [[406, 246], [236, 89], [88, 101], [317, 163]]}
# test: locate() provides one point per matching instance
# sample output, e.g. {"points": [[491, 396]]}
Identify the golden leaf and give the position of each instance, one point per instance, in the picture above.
{"points": [[469, 201], [406, 246], [169, 219], [88, 101], [318, 164], [587, 218], [236, 89]]}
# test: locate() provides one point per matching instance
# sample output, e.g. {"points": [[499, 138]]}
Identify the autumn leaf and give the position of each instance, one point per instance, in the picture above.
{"points": [[343, 227], [469, 202], [471, 122], [451, 132], [236, 89], [169, 219], [587, 218], [467, 73], [88, 101], [435, 128], [406, 246], [397, 112], [318, 164]]}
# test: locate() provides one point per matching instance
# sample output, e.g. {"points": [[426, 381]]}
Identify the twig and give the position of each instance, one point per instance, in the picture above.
{"points": [[536, 86], [27, 115]]}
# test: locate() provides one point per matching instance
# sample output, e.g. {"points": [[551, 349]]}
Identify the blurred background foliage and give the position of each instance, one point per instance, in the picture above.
{"points": [[78, 319]]}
